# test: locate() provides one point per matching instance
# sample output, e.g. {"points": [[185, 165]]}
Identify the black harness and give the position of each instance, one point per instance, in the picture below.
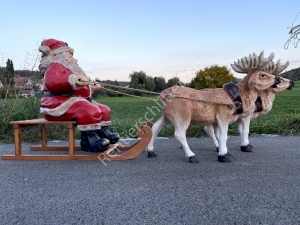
{"points": [[258, 104], [234, 92]]}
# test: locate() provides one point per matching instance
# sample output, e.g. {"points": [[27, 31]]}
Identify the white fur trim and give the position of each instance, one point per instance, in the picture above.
{"points": [[94, 103], [45, 50], [72, 81], [105, 123], [63, 49], [61, 109], [94, 126], [90, 91]]}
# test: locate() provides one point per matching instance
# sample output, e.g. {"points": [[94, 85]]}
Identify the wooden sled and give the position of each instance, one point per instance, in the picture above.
{"points": [[145, 134], [113, 153]]}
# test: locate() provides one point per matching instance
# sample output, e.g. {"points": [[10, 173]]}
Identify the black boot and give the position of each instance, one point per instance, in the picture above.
{"points": [[105, 133], [91, 142]]}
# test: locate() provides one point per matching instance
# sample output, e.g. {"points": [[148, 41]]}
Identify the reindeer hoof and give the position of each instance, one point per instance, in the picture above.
{"points": [[151, 155], [228, 152], [193, 159], [247, 148], [224, 158]]}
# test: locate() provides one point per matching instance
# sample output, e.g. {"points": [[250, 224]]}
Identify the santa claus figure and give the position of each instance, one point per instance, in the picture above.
{"points": [[68, 96]]}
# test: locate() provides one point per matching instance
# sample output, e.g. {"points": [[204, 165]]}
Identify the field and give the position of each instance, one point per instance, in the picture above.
{"points": [[129, 112]]}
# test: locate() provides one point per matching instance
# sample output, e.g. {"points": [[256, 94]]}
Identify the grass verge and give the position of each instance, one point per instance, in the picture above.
{"points": [[127, 113]]}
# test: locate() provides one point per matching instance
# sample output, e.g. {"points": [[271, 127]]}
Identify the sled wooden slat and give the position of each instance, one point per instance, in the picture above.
{"points": [[113, 153]]}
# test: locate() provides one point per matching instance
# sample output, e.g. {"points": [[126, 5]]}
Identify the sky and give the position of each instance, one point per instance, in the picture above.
{"points": [[113, 38]]}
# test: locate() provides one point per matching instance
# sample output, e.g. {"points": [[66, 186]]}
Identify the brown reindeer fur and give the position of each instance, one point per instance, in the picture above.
{"points": [[209, 106], [183, 106]]}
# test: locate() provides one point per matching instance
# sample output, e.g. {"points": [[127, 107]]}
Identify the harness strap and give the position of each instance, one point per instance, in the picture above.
{"points": [[258, 104], [234, 92]]}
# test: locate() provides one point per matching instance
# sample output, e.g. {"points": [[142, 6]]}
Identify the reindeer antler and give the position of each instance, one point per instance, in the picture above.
{"points": [[253, 62], [275, 69]]}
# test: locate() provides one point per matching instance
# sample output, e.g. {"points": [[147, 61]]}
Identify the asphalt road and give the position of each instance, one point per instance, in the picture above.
{"points": [[262, 187]]}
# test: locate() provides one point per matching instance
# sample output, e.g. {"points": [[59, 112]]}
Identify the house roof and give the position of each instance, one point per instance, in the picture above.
{"points": [[20, 81]]}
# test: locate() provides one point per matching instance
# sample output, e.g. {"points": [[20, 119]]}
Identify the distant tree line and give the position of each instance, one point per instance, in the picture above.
{"points": [[8, 72], [293, 74], [210, 77], [21, 73], [7, 75]]}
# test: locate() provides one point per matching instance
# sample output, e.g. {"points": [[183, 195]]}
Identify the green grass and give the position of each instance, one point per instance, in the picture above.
{"points": [[284, 118], [25, 109], [129, 112]]}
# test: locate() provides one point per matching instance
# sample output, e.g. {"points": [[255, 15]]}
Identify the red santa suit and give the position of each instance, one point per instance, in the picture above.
{"points": [[64, 99]]}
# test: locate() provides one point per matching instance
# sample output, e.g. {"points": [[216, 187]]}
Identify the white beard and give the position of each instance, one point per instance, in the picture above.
{"points": [[62, 59], [45, 63]]}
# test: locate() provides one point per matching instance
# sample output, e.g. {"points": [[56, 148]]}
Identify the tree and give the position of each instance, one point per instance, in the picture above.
{"points": [[32, 59], [10, 71], [173, 81], [294, 34], [213, 77], [160, 84], [150, 85], [192, 84], [139, 80], [293, 74]]}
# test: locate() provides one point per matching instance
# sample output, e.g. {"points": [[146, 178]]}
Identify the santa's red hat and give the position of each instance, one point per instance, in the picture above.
{"points": [[53, 46]]}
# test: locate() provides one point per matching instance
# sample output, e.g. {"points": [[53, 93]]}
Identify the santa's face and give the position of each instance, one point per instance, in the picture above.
{"points": [[70, 58], [65, 58], [45, 63]]}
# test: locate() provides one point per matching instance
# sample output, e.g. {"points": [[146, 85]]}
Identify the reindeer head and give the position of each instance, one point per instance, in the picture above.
{"points": [[276, 69], [256, 78]]}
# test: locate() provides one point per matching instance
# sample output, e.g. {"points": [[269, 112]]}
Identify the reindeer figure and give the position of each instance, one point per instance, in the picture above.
{"points": [[183, 105], [264, 104]]}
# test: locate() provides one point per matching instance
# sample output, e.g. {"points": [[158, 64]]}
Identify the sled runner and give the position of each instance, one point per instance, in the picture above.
{"points": [[115, 151]]}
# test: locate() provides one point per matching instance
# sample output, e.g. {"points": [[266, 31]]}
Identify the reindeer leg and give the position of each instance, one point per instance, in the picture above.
{"points": [[243, 127], [180, 135], [223, 132], [217, 134], [156, 128], [212, 133]]}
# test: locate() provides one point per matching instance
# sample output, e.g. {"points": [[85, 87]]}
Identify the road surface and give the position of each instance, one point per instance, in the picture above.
{"points": [[262, 187]]}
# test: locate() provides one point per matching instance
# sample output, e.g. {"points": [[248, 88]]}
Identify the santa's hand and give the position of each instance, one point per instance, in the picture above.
{"points": [[81, 80], [77, 80]]}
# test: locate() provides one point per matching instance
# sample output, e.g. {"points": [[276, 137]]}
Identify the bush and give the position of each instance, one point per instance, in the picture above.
{"points": [[26, 109]]}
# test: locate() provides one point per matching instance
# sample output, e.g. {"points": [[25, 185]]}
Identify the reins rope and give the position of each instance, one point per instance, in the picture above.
{"points": [[234, 105], [128, 88], [119, 92]]}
